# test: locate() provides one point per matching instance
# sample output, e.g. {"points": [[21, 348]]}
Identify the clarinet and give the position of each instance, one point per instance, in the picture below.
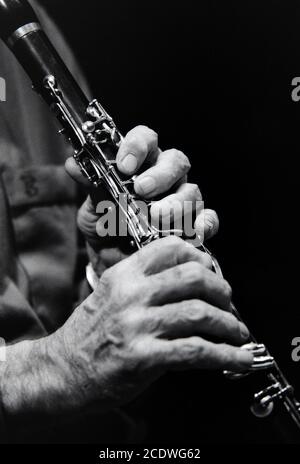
{"points": [[96, 140]]}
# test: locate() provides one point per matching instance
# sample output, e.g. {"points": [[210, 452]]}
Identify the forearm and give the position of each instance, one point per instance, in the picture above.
{"points": [[35, 385]]}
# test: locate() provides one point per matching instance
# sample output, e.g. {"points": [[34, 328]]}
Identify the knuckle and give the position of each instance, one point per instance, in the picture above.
{"points": [[194, 271], [123, 334], [177, 315], [177, 273], [139, 258], [197, 311], [135, 290], [142, 131], [131, 318], [173, 241], [138, 356], [142, 128], [150, 132], [206, 260], [192, 351], [153, 325], [138, 144], [181, 159], [131, 359], [195, 190], [204, 313], [115, 329], [227, 290], [228, 355], [230, 321]]}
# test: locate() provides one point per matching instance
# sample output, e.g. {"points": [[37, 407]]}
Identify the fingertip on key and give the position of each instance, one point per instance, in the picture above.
{"points": [[244, 358], [129, 164]]}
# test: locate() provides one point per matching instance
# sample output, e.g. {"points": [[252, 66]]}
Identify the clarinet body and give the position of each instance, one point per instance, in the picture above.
{"points": [[95, 140]]}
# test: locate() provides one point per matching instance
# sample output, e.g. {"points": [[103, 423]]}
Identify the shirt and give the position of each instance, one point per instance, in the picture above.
{"points": [[38, 244]]}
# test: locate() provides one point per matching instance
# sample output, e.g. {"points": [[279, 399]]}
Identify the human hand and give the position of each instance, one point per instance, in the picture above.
{"points": [[155, 311], [162, 177]]}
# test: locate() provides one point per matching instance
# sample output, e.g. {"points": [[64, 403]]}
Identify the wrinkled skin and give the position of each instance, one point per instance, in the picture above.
{"points": [[160, 309], [148, 315]]}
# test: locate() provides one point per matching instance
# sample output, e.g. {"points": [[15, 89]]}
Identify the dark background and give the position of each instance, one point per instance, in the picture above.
{"points": [[213, 78]]}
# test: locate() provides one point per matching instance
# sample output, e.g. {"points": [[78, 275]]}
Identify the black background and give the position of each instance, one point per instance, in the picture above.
{"points": [[213, 78]]}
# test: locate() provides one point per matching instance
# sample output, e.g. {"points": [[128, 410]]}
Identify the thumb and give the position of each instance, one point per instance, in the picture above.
{"points": [[74, 171]]}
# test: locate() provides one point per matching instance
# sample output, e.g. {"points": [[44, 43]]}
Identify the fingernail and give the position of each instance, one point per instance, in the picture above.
{"points": [[129, 163], [209, 229], [244, 358], [210, 225], [146, 185], [244, 331]]}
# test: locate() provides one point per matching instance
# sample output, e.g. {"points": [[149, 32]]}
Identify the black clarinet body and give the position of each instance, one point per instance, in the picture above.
{"points": [[38, 56], [95, 140]]}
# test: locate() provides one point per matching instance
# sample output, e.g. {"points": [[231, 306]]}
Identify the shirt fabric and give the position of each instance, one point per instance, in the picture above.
{"points": [[38, 244]]}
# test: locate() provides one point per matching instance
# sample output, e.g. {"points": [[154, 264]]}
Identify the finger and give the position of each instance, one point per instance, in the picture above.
{"points": [[140, 143], [90, 224], [207, 224], [188, 281], [195, 317], [167, 253], [170, 167], [176, 206], [195, 352], [74, 171], [87, 219]]}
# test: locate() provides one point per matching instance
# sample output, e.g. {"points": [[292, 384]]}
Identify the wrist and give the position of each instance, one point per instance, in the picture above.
{"points": [[35, 384]]}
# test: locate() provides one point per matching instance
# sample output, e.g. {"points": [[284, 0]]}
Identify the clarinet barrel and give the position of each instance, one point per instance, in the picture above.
{"points": [[21, 31]]}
